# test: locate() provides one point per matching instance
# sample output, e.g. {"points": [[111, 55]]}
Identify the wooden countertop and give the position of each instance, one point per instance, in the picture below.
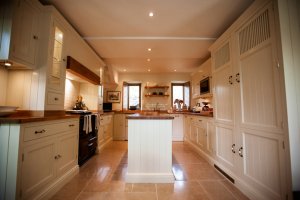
{"points": [[26, 116], [149, 115], [202, 113]]}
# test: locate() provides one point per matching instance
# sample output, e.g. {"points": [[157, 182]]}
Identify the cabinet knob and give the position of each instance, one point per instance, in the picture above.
{"points": [[241, 152], [41, 131], [56, 99], [70, 125], [35, 37], [200, 120], [232, 148]]}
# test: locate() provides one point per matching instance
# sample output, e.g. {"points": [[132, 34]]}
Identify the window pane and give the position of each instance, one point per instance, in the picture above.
{"points": [[125, 97], [177, 92], [134, 96]]}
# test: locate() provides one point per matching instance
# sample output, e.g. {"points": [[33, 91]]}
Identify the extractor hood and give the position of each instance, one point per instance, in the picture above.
{"points": [[76, 68], [108, 80]]}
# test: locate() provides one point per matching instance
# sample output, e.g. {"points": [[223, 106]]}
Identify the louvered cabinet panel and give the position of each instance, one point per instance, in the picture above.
{"points": [[258, 75]]}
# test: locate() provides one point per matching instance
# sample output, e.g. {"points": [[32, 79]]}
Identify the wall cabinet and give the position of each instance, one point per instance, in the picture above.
{"points": [[248, 105], [20, 35]]}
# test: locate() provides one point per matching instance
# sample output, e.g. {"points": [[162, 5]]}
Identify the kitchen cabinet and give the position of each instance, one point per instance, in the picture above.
{"points": [[42, 154], [49, 152], [119, 127], [105, 131], [177, 127], [200, 133], [20, 34], [248, 110], [187, 127]]}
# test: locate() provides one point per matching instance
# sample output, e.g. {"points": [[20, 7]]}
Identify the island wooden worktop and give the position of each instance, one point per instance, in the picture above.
{"points": [[149, 115]]}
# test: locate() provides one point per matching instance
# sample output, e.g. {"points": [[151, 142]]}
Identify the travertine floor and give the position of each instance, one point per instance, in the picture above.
{"points": [[103, 177]]}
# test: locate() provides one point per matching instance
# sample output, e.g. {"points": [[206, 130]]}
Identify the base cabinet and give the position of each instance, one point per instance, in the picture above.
{"points": [[177, 127], [119, 127], [105, 131], [41, 158]]}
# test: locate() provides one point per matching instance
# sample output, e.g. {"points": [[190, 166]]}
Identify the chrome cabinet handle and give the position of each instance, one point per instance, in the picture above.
{"points": [[230, 80], [241, 152], [237, 77], [41, 131], [232, 148], [91, 144], [55, 157]]}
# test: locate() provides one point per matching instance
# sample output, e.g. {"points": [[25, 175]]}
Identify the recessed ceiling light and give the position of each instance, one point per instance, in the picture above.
{"points": [[124, 70], [175, 70], [149, 70], [149, 49], [151, 14], [8, 64], [148, 59]]}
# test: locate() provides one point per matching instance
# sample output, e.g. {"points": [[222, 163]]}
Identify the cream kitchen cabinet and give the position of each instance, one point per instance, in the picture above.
{"points": [[42, 157], [177, 127], [105, 131], [201, 134], [20, 35], [119, 127], [248, 110], [187, 127]]}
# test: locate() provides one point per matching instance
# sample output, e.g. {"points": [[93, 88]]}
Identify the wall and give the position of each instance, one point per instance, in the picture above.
{"points": [[22, 89], [289, 18], [3, 85], [88, 91], [152, 79]]}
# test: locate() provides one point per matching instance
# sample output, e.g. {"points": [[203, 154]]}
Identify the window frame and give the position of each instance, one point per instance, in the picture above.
{"points": [[128, 95], [184, 85]]}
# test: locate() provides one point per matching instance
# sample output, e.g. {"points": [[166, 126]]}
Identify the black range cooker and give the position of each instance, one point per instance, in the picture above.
{"points": [[88, 135]]}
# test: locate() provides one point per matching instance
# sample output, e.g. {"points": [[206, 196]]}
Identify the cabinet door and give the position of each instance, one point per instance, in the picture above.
{"points": [[187, 127], [226, 147], [211, 137], [57, 68], [194, 133], [177, 127], [25, 33], [202, 135], [119, 127], [260, 118], [100, 134], [67, 150], [38, 167]]}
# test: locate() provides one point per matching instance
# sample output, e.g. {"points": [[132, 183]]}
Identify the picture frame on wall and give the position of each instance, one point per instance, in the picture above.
{"points": [[113, 96]]}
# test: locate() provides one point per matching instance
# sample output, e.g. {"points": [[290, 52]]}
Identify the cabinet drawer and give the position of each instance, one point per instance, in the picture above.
{"points": [[42, 130], [54, 98]]}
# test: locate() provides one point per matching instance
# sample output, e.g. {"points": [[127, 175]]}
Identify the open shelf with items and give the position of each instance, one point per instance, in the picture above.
{"points": [[156, 91]]}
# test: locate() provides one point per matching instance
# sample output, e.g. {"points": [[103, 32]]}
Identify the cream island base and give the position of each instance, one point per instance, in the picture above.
{"points": [[149, 149]]}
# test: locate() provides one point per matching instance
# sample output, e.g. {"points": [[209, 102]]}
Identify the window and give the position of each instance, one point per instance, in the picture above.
{"points": [[181, 91], [131, 96]]}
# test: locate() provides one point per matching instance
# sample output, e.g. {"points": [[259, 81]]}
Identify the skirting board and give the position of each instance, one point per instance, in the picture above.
{"points": [[149, 178], [58, 184]]}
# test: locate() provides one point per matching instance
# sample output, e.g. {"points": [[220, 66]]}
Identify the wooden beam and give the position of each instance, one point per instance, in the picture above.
{"points": [[76, 68]]}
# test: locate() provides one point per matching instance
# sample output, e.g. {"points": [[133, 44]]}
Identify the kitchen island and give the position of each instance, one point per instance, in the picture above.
{"points": [[149, 148]]}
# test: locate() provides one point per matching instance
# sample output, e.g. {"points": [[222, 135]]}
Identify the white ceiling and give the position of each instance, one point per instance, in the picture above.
{"points": [[179, 33]]}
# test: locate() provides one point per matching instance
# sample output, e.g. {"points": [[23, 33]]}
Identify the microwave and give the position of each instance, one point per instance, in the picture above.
{"points": [[205, 86]]}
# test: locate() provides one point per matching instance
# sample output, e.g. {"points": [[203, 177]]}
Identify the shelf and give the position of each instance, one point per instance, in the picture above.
{"points": [[152, 95], [150, 87]]}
